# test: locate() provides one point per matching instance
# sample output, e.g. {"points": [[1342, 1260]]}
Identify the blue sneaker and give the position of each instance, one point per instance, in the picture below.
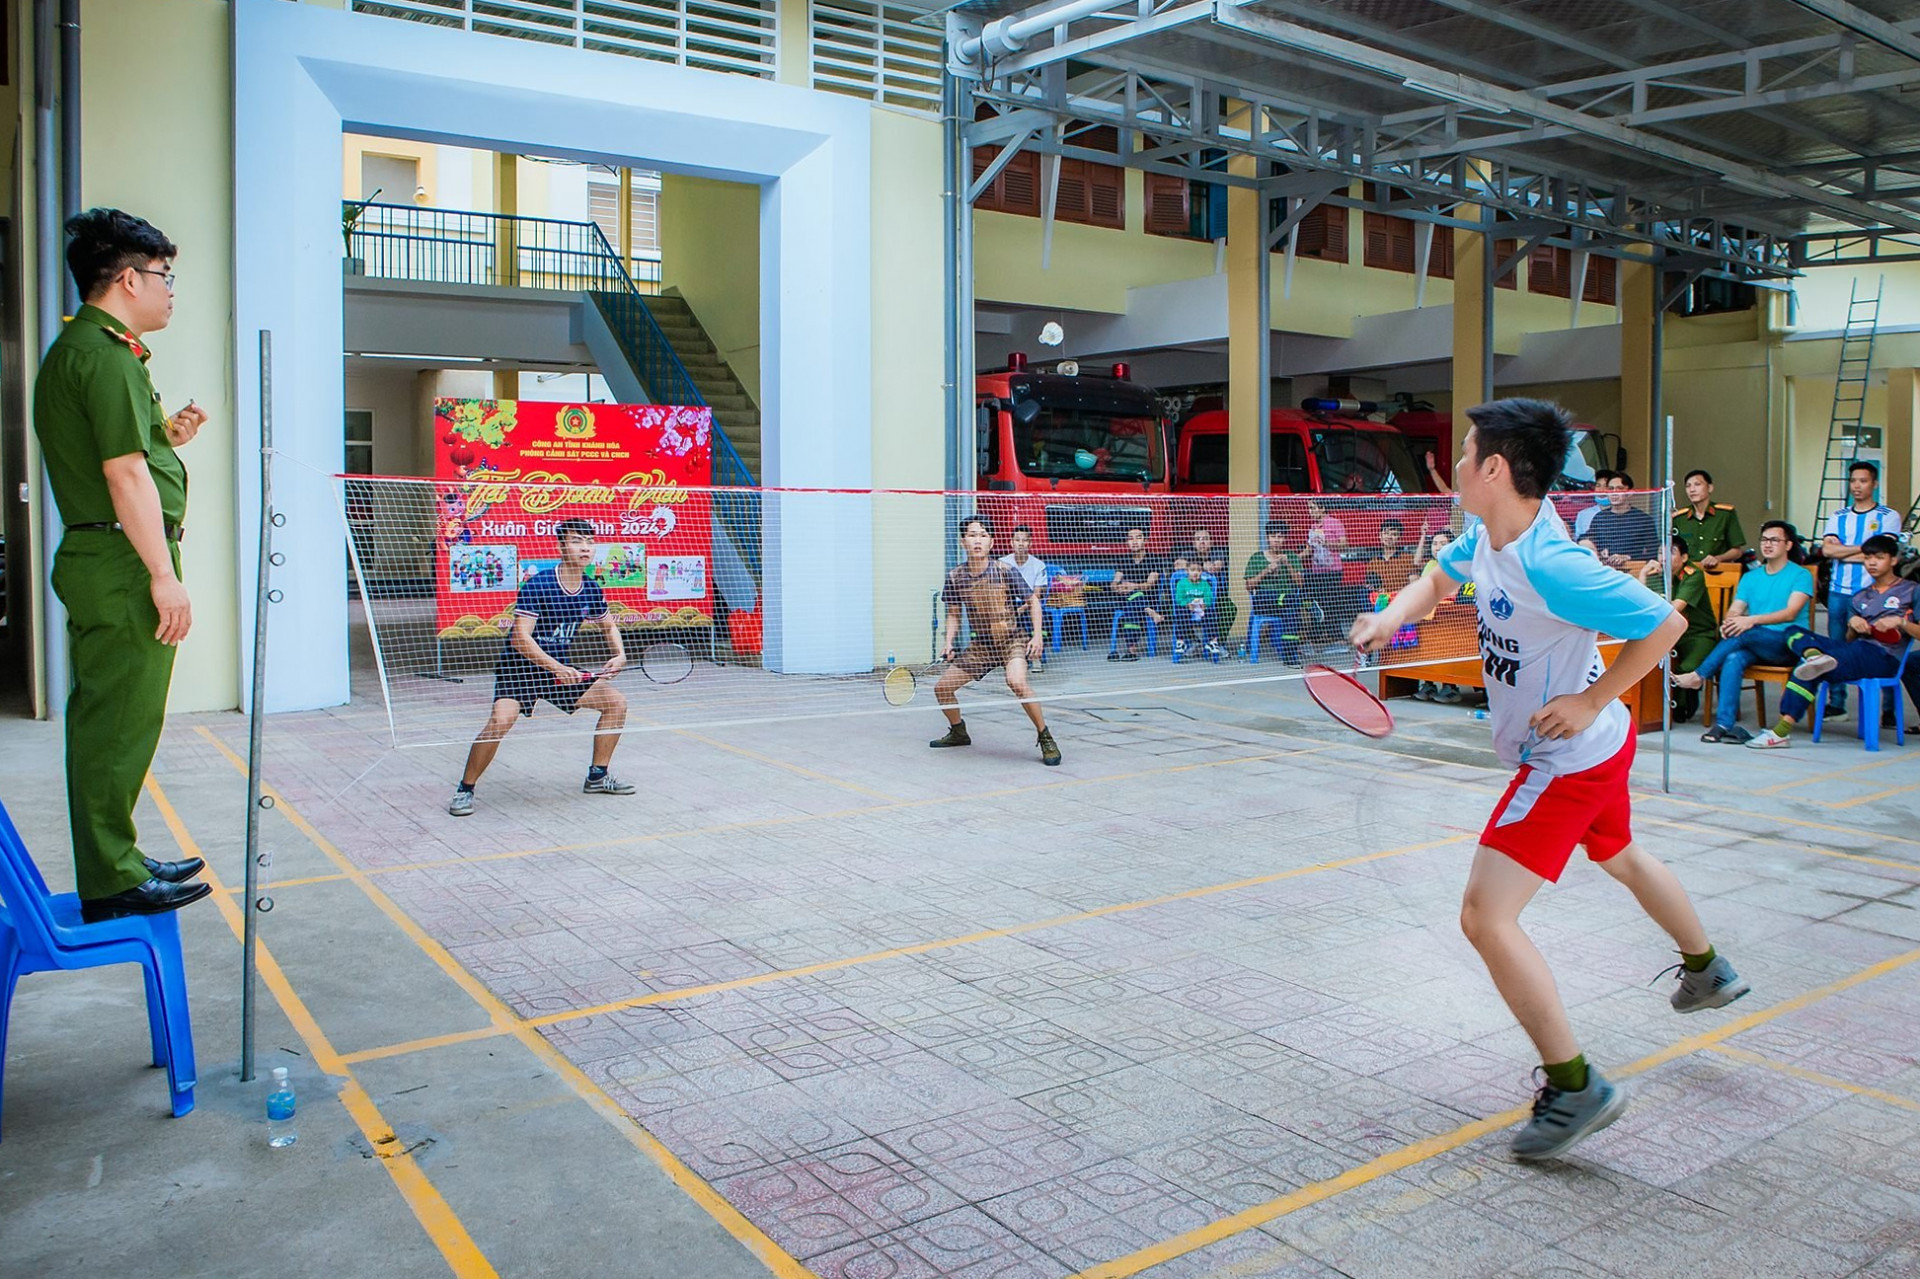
{"points": [[1562, 1118]]}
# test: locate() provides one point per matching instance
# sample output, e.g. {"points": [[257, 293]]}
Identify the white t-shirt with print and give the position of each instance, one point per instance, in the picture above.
{"points": [[1541, 602], [1033, 572]]}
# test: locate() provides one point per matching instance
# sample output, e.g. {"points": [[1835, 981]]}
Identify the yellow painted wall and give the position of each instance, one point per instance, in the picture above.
{"points": [[909, 404], [175, 169], [710, 251], [426, 154]]}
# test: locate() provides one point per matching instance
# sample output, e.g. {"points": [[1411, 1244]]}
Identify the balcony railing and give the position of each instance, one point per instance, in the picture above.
{"points": [[456, 246]]}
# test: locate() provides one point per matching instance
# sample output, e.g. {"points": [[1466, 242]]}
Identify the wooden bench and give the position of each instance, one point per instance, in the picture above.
{"points": [[1721, 584], [1443, 664]]}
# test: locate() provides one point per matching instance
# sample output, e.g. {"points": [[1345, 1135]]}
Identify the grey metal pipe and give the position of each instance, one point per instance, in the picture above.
{"points": [[70, 126], [951, 197], [256, 905], [48, 233]]}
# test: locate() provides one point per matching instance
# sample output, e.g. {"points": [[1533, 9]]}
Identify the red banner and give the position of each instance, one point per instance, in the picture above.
{"points": [[509, 472]]}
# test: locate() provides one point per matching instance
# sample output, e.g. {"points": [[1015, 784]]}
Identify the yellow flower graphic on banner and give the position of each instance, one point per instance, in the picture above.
{"points": [[574, 423]]}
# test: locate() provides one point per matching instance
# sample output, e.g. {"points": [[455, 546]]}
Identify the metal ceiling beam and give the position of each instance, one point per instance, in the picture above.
{"points": [[1862, 23], [1457, 87]]}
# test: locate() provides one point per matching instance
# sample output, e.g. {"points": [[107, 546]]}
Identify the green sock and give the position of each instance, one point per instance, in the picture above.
{"points": [[1784, 727], [1696, 963], [1568, 1076]]}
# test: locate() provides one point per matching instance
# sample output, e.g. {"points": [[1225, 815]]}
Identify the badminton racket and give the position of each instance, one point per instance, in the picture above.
{"points": [[1347, 700], [901, 682], [666, 662]]}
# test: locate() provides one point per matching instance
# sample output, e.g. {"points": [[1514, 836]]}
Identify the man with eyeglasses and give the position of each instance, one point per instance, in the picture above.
{"points": [[1774, 597], [122, 493]]}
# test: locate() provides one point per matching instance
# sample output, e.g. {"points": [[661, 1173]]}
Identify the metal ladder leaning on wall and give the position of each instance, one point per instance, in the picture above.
{"points": [[1849, 400]]}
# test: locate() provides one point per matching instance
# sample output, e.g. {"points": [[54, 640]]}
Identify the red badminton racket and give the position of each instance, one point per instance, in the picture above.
{"points": [[1347, 700]]}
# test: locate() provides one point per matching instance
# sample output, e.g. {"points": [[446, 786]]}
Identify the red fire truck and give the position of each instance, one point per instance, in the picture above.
{"points": [[1062, 451]]}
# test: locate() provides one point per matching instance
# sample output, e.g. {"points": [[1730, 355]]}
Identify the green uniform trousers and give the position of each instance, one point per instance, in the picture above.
{"points": [[117, 703], [1691, 650]]}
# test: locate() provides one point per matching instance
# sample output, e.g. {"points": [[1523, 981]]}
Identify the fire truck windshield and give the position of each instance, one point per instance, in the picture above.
{"points": [[1354, 461], [1076, 443]]}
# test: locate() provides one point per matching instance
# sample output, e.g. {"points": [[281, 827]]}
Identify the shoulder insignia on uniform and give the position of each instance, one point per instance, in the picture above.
{"points": [[127, 340], [1723, 506]]}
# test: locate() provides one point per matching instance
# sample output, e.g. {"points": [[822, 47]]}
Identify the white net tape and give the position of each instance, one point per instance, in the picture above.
{"points": [[737, 605]]}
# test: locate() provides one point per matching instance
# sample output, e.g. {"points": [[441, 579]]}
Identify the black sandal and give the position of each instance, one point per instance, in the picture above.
{"points": [[1714, 734]]}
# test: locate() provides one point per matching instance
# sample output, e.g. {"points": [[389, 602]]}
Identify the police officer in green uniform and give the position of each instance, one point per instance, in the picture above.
{"points": [[122, 494], [1712, 529], [1696, 605]]}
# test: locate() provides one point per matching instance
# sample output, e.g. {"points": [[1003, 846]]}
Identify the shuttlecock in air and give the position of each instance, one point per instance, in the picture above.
{"points": [[1052, 334]]}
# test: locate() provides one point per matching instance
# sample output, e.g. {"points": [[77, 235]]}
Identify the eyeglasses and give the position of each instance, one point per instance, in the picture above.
{"points": [[166, 277], [1776, 540]]}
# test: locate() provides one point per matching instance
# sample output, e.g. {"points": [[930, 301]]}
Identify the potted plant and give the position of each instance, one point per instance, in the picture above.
{"points": [[349, 219]]}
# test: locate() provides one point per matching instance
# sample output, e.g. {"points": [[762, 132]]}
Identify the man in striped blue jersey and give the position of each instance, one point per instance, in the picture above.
{"points": [[1847, 529]]}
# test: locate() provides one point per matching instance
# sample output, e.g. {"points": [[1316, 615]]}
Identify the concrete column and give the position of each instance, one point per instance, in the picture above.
{"points": [[506, 202], [795, 44], [623, 210], [1249, 361], [1473, 267], [1639, 377], [506, 384], [1903, 420]]}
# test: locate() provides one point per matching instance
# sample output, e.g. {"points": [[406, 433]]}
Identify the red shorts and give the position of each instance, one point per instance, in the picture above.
{"points": [[1540, 818]]}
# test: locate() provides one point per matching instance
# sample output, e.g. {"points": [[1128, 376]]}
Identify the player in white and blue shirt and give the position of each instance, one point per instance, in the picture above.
{"points": [[1542, 601], [533, 665], [1847, 531]]}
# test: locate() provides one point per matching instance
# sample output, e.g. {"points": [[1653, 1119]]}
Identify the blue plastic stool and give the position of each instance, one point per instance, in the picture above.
{"points": [[43, 932], [1056, 614], [1153, 635], [1867, 710]]}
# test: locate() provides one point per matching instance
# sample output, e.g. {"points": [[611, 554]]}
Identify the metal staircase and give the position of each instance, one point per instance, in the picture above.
{"points": [[1849, 399]]}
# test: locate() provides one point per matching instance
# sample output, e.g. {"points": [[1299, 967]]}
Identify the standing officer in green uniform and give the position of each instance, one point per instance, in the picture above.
{"points": [[1691, 596], [1712, 529], [122, 494]]}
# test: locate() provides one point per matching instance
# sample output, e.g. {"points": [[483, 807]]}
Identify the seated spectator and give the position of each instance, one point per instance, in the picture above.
{"points": [[1213, 562], [1584, 520], [1879, 620], [1273, 579], [1689, 595], [1193, 614], [1032, 570], [1391, 567], [1712, 529], [1426, 557], [1622, 534], [1324, 584], [1774, 598], [1136, 578]]}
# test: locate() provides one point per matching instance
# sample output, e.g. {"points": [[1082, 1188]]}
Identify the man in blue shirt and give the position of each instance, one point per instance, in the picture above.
{"points": [[1774, 596], [553, 604], [1846, 535]]}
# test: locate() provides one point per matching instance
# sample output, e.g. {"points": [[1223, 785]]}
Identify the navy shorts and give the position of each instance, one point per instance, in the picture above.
{"points": [[525, 683]]}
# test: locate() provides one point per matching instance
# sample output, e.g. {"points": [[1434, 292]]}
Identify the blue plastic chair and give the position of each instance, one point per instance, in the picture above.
{"points": [[1258, 623], [1867, 709], [1056, 614], [43, 932], [1153, 635], [1174, 647]]}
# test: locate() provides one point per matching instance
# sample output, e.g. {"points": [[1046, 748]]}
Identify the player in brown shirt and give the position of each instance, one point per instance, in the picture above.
{"points": [[1003, 612]]}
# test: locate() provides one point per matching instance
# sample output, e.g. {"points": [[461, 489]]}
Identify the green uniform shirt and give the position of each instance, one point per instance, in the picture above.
{"points": [[94, 401], [1717, 531]]}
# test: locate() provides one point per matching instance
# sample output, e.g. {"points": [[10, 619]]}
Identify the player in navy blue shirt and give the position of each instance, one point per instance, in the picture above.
{"points": [[553, 605]]}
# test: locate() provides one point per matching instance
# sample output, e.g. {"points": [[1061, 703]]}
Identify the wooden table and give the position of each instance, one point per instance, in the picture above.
{"points": [[1441, 664]]}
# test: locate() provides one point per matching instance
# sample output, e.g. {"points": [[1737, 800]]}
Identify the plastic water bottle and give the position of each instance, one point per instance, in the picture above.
{"points": [[1480, 712], [280, 1132]]}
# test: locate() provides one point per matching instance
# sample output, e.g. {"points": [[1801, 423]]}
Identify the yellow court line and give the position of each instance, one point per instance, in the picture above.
{"points": [[799, 769], [1816, 1077], [1857, 833], [430, 1208], [770, 1254], [1836, 775], [899, 952], [1868, 799], [1421, 1151]]}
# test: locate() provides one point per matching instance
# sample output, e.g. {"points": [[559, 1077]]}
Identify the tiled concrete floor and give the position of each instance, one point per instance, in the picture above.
{"points": [[1193, 1004]]}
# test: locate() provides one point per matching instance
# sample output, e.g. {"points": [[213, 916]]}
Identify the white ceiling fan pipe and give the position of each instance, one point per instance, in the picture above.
{"points": [[1010, 34]]}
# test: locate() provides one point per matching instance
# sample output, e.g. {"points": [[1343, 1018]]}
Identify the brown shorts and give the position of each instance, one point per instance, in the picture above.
{"points": [[979, 658]]}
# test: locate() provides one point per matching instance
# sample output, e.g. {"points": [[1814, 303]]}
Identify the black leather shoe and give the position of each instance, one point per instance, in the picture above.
{"points": [[151, 898], [174, 872]]}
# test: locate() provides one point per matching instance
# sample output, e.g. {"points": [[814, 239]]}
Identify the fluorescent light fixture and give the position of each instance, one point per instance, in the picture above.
{"points": [[418, 359], [1455, 95]]}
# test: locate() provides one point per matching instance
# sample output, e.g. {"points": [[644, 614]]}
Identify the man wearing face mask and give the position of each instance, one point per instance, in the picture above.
{"points": [[1584, 520]]}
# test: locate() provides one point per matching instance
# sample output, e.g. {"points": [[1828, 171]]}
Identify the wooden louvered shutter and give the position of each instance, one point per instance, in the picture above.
{"points": [[1323, 234], [1602, 279], [1440, 256], [1169, 205], [1016, 190], [1502, 250], [1550, 271]]}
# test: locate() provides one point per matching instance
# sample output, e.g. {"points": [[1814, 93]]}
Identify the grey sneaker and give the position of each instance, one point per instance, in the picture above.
{"points": [[1562, 1118], [1714, 986], [607, 784], [1816, 665], [461, 805], [1049, 751]]}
